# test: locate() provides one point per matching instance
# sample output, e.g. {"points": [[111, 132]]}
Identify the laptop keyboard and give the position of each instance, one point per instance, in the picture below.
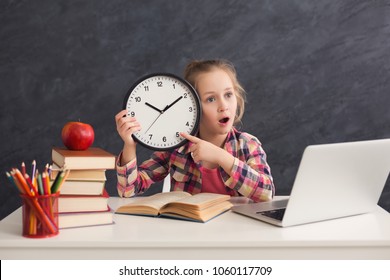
{"points": [[276, 214]]}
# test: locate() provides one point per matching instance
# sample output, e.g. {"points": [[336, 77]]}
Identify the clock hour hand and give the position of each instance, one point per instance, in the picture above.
{"points": [[155, 108], [173, 103]]}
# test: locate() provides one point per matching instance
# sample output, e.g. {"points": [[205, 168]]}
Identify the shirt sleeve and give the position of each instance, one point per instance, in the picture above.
{"points": [[133, 180], [251, 174]]}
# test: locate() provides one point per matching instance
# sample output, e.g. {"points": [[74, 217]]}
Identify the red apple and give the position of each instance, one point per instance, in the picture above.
{"points": [[77, 135]]}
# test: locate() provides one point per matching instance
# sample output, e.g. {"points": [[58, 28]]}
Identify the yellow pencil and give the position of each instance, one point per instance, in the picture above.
{"points": [[64, 179], [48, 183]]}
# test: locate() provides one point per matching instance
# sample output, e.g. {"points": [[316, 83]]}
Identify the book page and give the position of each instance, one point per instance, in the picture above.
{"points": [[203, 216], [159, 200], [155, 201], [201, 200]]}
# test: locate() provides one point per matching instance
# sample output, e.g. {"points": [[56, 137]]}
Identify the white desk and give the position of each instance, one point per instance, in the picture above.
{"points": [[229, 236]]}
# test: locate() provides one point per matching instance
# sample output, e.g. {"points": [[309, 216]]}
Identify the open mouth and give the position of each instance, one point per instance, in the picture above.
{"points": [[224, 120]]}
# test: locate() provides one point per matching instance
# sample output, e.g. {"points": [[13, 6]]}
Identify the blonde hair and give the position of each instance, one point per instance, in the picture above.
{"points": [[196, 67]]}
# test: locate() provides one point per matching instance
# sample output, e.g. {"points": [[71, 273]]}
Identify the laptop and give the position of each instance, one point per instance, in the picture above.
{"points": [[333, 181]]}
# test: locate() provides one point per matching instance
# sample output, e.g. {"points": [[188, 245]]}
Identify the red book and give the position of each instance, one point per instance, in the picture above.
{"points": [[83, 203]]}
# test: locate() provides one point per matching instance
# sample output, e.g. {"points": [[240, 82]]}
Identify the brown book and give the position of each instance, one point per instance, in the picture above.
{"points": [[180, 205], [92, 158], [80, 175]]}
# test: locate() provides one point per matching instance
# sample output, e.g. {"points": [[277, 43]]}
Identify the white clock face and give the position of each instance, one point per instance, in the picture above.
{"points": [[164, 105]]}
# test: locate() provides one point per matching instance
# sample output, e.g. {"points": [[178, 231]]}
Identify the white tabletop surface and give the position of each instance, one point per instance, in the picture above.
{"points": [[229, 236]]}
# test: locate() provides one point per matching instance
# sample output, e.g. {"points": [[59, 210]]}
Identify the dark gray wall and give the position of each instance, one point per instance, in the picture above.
{"points": [[315, 71]]}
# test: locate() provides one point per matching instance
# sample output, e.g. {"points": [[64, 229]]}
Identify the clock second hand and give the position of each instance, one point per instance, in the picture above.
{"points": [[154, 122], [161, 112], [158, 110]]}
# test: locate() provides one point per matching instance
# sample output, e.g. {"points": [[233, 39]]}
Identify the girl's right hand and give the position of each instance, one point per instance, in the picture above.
{"points": [[126, 126]]}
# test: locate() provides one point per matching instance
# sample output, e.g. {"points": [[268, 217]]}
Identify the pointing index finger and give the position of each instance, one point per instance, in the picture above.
{"points": [[190, 138]]}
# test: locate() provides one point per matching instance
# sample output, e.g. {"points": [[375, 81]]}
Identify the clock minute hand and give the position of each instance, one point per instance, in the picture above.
{"points": [[173, 103]]}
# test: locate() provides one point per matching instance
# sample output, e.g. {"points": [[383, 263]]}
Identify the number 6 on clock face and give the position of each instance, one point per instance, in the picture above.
{"points": [[164, 105]]}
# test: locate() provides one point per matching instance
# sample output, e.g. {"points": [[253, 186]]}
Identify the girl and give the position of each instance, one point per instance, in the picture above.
{"points": [[220, 159]]}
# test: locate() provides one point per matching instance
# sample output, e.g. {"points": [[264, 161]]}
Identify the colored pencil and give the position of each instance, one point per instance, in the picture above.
{"points": [[58, 183], [33, 167], [44, 183], [40, 185], [54, 184], [35, 182], [30, 185], [48, 183], [63, 180], [50, 169], [22, 182], [23, 165]]}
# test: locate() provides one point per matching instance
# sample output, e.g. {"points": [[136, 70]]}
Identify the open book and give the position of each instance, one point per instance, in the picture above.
{"points": [[180, 205]]}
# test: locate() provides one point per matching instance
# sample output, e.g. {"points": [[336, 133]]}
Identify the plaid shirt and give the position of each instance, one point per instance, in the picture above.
{"points": [[250, 177]]}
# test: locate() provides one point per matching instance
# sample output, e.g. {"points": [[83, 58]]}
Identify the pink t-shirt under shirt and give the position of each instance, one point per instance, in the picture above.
{"points": [[212, 181]]}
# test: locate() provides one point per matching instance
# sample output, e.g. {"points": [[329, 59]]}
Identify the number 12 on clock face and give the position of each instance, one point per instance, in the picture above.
{"points": [[165, 105]]}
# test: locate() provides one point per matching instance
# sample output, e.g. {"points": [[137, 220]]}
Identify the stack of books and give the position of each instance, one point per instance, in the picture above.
{"points": [[83, 198]]}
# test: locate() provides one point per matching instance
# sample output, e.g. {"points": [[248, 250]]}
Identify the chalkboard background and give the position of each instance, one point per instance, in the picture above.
{"points": [[315, 71]]}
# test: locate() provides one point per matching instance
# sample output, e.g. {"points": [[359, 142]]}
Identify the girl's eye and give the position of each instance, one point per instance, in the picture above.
{"points": [[210, 99], [229, 94]]}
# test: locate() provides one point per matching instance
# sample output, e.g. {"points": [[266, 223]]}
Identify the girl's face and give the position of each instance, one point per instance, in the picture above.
{"points": [[219, 103]]}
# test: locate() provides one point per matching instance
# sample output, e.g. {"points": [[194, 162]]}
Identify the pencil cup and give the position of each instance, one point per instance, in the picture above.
{"points": [[40, 215]]}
